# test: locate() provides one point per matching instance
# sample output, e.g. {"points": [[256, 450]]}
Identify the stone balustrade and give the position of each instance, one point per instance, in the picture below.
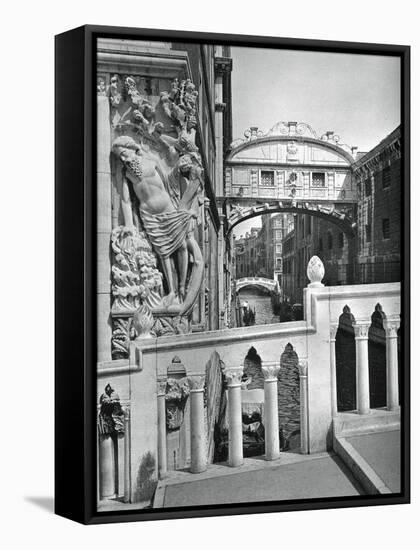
{"points": [[312, 340]]}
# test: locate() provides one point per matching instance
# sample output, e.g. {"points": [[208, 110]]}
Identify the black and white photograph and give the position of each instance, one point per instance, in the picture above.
{"points": [[250, 255], [210, 275]]}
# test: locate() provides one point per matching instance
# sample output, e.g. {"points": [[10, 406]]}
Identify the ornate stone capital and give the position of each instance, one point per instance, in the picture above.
{"points": [[333, 332], [303, 368], [391, 327], [161, 387], [270, 370], [222, 65], [361, 330], [233, 375], [196, 382]]}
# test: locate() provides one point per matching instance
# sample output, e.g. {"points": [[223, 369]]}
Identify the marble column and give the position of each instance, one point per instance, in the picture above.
{"points": [[106, 467], [197, 423], [127, 469], [361, 332], [333, 333], [234, 377], [392, 395], [161, 405], [304, 424], [271, 411]]}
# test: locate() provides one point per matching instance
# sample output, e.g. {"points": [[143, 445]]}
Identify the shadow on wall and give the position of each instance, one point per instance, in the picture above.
{"points": [[146, 484]]}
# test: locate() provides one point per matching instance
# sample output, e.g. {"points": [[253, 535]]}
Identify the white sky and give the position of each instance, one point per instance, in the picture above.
{"points": [[356, 96]]}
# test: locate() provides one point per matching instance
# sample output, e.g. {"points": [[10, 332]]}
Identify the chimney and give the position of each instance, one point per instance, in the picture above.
{"points": [[292, 128], [330, 134], [354, 151]]}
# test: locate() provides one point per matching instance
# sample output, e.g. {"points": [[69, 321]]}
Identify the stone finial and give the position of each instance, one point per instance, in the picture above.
{"points": [[143, 322], [270, 370], [233, 375], [315, 272]]}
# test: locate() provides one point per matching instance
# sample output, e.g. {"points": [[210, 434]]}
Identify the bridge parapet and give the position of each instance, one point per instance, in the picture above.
{"points": [[311, 340]]}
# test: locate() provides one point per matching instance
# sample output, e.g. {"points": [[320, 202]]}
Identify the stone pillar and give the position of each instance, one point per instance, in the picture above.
{"points": [[333, 333], [127, 466], [234, 377], [198, 429], [103, 229], [106, 467], [304, 421], [361, 332], [271, 410], [221, 272], [392, 397], [161, 405]]}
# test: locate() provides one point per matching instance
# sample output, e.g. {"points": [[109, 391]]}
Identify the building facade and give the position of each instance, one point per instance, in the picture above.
{"points": [[378, 179], [372, 255], [259, 252]]}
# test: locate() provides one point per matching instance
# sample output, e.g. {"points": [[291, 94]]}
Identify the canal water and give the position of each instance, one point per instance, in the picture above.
{"points": [[288, 380], [261, 303]]}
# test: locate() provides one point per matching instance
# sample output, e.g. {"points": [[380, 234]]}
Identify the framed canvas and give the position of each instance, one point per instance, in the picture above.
{"points": [[232, 274]]}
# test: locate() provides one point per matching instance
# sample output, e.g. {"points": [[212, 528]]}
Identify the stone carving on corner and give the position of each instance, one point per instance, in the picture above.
{"points": [[177, 392], [135, 281], [158, 176], [111, 414]]}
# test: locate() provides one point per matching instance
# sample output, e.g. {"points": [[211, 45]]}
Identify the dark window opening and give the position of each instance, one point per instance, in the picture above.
{"points": [[368, 230], [385, 229], [341, 240], [330, 241], [368, 187], [267, 178], [318, 179], [386, 177]]}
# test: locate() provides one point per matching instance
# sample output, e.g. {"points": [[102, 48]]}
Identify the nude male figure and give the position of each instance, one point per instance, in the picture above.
{"points": [[168, 228]]}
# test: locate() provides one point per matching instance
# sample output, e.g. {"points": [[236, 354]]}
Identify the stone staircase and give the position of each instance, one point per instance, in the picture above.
{"points": [[369, 445]]}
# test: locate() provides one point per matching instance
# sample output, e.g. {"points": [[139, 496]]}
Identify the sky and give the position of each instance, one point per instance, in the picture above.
{"points": [[356, 96]]}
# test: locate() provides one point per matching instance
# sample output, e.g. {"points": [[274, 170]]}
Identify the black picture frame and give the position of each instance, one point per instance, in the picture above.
{"points": [[75, 273]]}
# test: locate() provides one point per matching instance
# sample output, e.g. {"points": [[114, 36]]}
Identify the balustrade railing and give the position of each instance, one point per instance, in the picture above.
{"points": [[313, 341]]}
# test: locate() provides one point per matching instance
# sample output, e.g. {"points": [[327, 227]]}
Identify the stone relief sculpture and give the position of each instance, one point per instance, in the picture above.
{"points": [[157, 262], [177, 391]]}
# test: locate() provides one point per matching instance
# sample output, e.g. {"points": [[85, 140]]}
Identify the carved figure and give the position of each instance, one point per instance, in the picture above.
{"points": [[168, 213], [111, 415]]}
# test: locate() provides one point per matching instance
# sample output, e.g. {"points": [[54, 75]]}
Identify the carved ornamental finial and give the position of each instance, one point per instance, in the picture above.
{"points": [[143, 322], [315, 272]]}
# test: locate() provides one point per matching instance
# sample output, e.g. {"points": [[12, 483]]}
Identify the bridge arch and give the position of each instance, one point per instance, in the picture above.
{"points": [[259, 282], [340, 216]]}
